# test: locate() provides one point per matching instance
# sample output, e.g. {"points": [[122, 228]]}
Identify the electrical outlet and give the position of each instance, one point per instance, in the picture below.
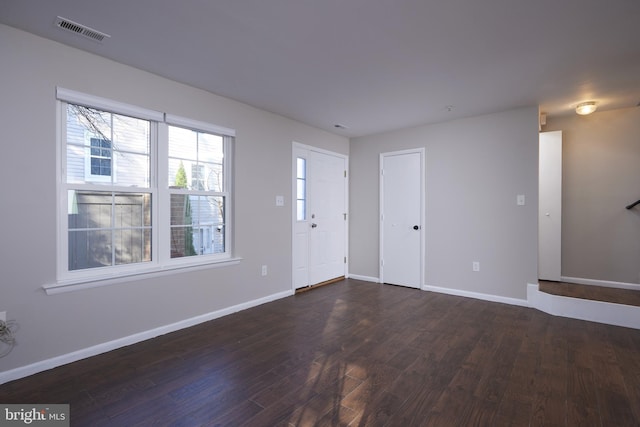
{"points": [[264, 270], [3, 316], [476, 266]]}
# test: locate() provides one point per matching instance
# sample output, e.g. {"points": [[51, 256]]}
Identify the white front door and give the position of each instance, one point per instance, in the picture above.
{"points": [[550, 206], [320, 226], [401, 218]]}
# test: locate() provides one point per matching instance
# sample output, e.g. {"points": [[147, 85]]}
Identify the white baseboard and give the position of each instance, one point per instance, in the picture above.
{"points": [[477, 295], [582, 309], [603, 283], [84, 353], [365, 278]]}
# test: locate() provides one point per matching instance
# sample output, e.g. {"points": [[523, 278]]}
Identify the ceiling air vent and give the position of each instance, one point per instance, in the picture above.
{"points": [[83, 30]]}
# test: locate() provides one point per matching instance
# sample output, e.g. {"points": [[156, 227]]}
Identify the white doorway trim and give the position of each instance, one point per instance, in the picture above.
{"points": [[422, 219], [550, 206], [296, 149]]}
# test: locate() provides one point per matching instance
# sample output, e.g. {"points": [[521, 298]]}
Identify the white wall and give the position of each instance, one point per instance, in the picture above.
{"points": [[475, 169], [30, 70]]}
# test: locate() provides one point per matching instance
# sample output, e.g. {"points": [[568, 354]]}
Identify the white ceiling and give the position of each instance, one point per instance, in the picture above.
{"points": [[370, 65]]}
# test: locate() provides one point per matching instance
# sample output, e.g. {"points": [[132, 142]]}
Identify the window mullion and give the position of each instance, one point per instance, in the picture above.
{"points": [[162, 216], [113, 157], [113, 228]]}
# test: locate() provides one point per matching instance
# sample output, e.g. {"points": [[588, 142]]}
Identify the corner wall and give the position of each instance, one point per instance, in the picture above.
{"points": [[56, 325], [475, 168], [600, 176]]}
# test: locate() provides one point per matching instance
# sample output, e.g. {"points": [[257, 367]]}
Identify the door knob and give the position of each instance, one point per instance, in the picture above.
{"points": [[314, 225], [416, 227]]}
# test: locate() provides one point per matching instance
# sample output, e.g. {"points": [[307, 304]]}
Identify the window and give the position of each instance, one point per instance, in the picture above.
{"points": [[198, 204], [139, 190], [301, 185], [100, 162], [108, 222]]}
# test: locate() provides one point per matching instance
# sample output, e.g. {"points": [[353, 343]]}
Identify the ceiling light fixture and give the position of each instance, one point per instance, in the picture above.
{"points": [[585, 108]]}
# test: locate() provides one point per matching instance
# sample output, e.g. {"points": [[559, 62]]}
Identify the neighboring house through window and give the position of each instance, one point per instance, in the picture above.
{"points": [[197, 177]]}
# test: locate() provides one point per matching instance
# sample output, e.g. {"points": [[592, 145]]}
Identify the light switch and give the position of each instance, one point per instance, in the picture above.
{"points": [[520, 199], [279, 200]]}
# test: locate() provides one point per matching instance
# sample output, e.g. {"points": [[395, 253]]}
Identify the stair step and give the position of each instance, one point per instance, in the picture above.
{"points": [[585, 303], [589, 292]]}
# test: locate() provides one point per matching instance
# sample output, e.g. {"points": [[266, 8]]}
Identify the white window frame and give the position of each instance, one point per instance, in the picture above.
{"points": [[163, 171], [161, 262]]}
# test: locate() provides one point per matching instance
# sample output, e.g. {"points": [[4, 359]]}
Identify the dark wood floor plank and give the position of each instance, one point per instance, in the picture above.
{"points": [[512, 412], [628, 356], [285, 405], [338, 416], [378, 411], [493, 383], [516, 405], [238, 415], [550, 403], [615, 405], [327, 400], [413, 387], [359, 354], [582, 404]]}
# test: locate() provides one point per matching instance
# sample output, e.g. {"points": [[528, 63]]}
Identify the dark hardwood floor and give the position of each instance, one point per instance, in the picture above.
{"points": [[360, 354], [595, 293]]}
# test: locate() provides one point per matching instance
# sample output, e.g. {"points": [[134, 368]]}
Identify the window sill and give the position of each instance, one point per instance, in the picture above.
{"points": [[70, 285]]}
